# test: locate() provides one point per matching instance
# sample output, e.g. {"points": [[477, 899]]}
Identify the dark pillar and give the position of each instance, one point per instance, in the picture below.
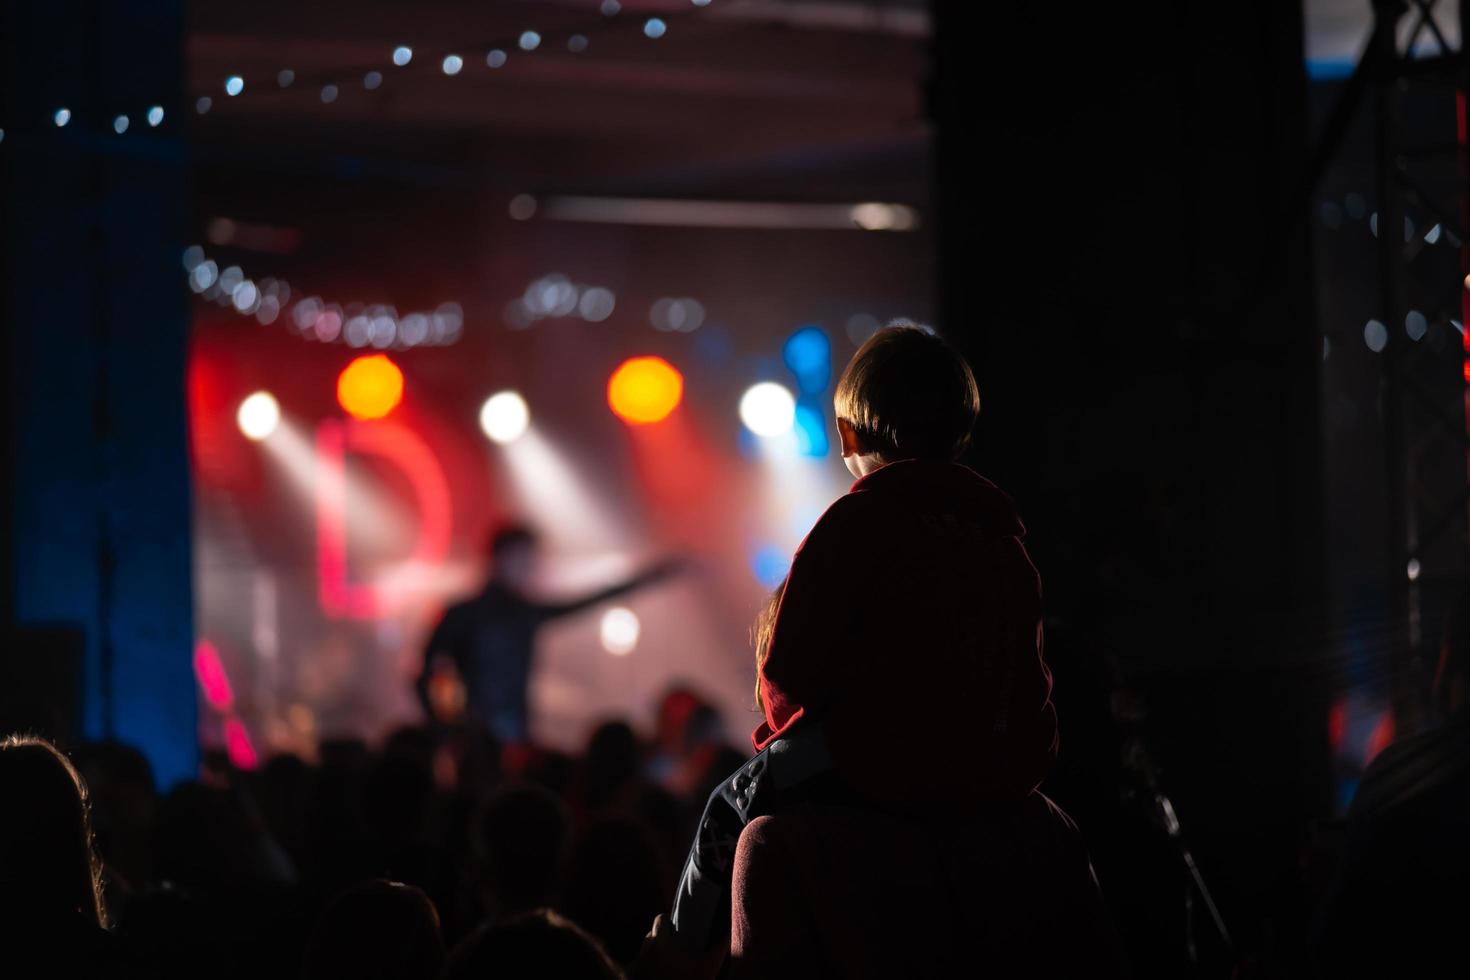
{"points": [[97, 516], [1119, 259]]}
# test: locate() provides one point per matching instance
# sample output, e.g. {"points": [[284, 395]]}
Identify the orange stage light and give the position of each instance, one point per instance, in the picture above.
{"points": [[370, 387], [644, 390]]}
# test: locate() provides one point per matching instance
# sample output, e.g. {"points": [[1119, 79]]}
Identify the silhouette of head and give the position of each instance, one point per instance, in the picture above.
{"points": [[522, 839], [530, 947], [618, 880], [513, 550], [906, 394], [380, 929], [611, 762], [48, 867]]}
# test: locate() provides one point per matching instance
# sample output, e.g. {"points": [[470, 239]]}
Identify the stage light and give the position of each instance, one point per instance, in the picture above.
{"points": [[120, 125], [522, 207], [861, 326], [1375, 335], [1416, 325], [596, 304], [370, 387], [808, 353], [357, 331], [452, 64], [504, 417], [655, 28], [258, 416], [213, 681], [155, 115], [414, 329], [768, 409], [402, 55], [205, 274], [876, 216], [234, 85], [620, 629], [328, 325], [530, 41], [238, 747], [246, 297], [644, 390], [496, 58], [62, 116], [769, 565]]}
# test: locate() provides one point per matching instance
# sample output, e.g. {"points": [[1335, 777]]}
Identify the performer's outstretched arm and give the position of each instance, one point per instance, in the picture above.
{"points": [[659, 572]]}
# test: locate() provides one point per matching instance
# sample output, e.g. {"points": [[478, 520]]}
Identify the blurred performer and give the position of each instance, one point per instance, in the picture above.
{"points": [[490, 638]]}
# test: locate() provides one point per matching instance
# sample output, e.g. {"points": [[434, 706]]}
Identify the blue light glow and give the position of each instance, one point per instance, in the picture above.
{"points": [[811, 430], [769, 565], [808, 353]]}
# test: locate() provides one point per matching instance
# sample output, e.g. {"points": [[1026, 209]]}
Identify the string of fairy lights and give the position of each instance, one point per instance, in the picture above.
{"points": [[329, 86], [496, 55]]}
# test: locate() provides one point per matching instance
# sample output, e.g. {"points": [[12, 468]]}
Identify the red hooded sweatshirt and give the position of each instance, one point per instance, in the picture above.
{"points": [[910, 625]]}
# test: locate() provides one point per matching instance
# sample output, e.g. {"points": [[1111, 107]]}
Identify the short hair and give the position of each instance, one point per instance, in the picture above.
{"points": [[909, 395], [536, 944], [376, 929]]}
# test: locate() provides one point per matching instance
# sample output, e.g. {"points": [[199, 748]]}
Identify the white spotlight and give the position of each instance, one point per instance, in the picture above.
{"points": [[234, 85], [155, 115], [504, 417], [402, 55], [620, 629], [768, 409], [258, 416], [452, 64]]}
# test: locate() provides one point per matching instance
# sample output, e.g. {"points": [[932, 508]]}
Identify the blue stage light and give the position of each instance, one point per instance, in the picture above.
{"points": [[808, 353]]}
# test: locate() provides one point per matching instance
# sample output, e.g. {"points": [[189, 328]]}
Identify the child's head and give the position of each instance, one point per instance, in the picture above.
{"points": [[906, 394]]}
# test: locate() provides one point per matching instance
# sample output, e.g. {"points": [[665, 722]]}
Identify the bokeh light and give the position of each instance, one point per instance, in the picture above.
{"points": [[370, 387], [62, 116], [504, 417], [620, 629], [496, 58], [120, 125], [258, 416], [530, 41], [452, 64], [654, 27], [155, 115], [768, 409], [808, 353], [769, 565], [644, 390], [234, 85], [402, 55]]}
